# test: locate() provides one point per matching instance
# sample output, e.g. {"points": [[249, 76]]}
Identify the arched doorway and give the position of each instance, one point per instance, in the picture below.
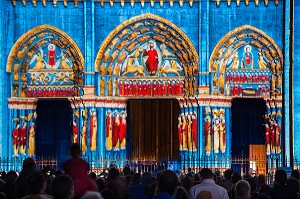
{"points": [[53, 129], [248, 132], [153, 130]]}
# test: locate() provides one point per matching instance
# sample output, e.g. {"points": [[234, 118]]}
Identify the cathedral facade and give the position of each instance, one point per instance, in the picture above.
{"points": [[210, 56]]}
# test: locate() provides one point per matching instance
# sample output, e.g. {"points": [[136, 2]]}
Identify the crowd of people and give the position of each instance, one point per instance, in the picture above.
{"points": [[76, 182]]}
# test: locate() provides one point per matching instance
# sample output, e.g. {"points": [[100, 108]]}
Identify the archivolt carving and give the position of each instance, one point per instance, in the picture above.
{"points": [[45, 62]]}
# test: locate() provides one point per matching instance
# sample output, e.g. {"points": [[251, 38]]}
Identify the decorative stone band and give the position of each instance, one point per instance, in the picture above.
{"points": [[22, 103], [121, 102]]}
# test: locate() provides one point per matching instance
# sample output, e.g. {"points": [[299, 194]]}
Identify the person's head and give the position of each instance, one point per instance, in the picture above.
{"points": [[91, 195], [75, 150], [280, 177], [252, 183], [235, 177], [227, 174], [146, 178], [108, 194], [261, 180], [151, 45], [168, 182], [242, 190], [29, 165], [100, 181], [187, 182], [206, 173], [293, 184], [11, 177], [181, 193], [126, 170], [136, 178], [295, 174], [36, 183], [93, 175], [62, 187], [113, 173]]}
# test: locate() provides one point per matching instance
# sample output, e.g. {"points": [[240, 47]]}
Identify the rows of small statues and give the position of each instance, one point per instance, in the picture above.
{"points": [[237, 90], [52, 92], [246, 78], [151, 88]]}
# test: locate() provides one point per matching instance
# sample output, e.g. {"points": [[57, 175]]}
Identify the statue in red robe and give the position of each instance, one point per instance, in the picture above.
{"points": [[277, 138], [123, 131], [152, 60], [116, 131], [23, 138], [75, 132], [180, 134], [15, 135], [272, 136], [51, 55], [194, 131]]}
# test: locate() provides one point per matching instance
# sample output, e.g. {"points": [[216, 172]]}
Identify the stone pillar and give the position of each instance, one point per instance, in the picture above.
{"points": [[89, 42]]}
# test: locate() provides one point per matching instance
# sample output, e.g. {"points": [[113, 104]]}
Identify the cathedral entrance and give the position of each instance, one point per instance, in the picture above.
{"points": [[152, 129], [247, 127], [53, 129]]}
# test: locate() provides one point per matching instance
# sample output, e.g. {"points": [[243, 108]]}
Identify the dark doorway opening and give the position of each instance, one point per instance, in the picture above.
{"points": [[153, 129], [53, 137], [247, 124]]}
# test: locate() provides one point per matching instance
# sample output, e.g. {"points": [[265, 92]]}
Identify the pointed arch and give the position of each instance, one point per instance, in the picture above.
{"points": [[47, 60], [246, 55], [35, 35], [240, 37], [126, 38]]}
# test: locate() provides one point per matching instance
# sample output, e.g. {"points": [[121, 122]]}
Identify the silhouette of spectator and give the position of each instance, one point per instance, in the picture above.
{"points": [[36, 186], [93, 175], [208, 184], [186, 182], [295, 174], [226, 183], [78, 169], [181, 193], [261, 186], [140, 191], [62, 187], [167, 185], [28, 168], [100, 183], [108, 194], [116, 184], [9, 186], [293, 184], [235, 177], [242, 190], [2, 195], [280, 190], [136, 179], [252, 183], [91, 195]]}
